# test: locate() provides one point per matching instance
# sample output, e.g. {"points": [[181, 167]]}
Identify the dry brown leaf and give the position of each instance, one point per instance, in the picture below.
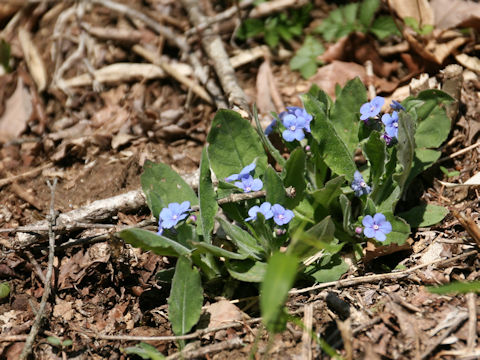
{"points": [[455, 13], [18, 110], [338, 72], [33, 59], [223, 312], [470, 62], [264, 98], [63, 309], [420, 10]]}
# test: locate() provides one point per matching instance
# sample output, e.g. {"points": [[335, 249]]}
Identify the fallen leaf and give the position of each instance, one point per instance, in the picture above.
{"points": [[420, 10], [63, 309], [338, 72], [470, 62], [264, 98], [18, 110], [223, 312], [33, 59], [451, 14]]}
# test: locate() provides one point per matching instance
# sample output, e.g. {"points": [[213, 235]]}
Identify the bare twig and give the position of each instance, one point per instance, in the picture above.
{"points": [[306, 338], [472, 321], [27, 174], [459, 152], [27, 349], [378, 277], [468, 224], [213, 46], [234, 343], [369, 72], [174, 38]]}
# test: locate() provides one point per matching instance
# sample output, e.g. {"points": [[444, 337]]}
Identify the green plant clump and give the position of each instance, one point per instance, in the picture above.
{"points": [[257, 230]]}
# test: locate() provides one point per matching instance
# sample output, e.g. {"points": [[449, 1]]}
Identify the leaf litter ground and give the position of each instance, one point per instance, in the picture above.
{"points": [[108, 288]]}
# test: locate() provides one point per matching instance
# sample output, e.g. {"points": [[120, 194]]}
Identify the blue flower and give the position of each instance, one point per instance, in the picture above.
{"points": [[391, 124], [172, 214], [294, 127], [265, 209], [245, 173], [372, 108], [249, 184], [270, 127], [387, 138], [298, 112], [395, 105], [359, 185], [281, 215], [376, 227]]}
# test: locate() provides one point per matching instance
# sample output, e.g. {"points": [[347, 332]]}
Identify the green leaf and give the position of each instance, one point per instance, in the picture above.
{"points": [[266, 142], [400, 230], [245, 243], [344, 114], [246, 270], [325, 196], [207, 196], [148, 240], [145, 351], [5, 55], [424, 158], [165, 275], [54, 341], [433, 130], [274, 187], [375, 151], [279, 278], [424, 215], [162, 186], [67, 343], [4, 290], [234, 144], [295, 176], [330, 270], [367, 10], [186, 297], [250, 28], [406, 148], [384, 26], [218, 251], [334, 151], [319, 237], [456, 287], [305, 59]]}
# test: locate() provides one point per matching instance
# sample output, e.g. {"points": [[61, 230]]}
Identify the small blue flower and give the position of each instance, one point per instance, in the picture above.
{"points": [[295, 126], [372, 108], [391, 124], [245, 173], [172, 214], [387, 138], [298, 112], [395, 105], [376, 227], [359, 185], [269, 129], [265, 209], [249, 184], [281, 215]]}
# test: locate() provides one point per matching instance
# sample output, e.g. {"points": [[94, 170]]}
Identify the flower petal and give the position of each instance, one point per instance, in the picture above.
{"points": [[368, 221], [380, 236], [257, 185], [184, 206], [385, 227], [248, 169], [369, 232], [379, 218], [253, 211], [165, 214], [299, 134], [288, 135], [231, 178]]}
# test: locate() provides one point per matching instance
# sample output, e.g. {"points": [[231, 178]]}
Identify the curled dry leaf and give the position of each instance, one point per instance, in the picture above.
{"points": [[420, 10], [470, 62], [33, 59], [18, 110]]}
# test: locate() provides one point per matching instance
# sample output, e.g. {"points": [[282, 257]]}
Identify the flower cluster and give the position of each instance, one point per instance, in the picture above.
{"points": [[172, 214], [280, 215], [359, 186], [376, 227], [372, 109], [296, 120], [246, 182]]}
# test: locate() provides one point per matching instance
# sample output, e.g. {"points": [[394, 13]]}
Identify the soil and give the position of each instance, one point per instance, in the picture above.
{"points": [[95, 139]]}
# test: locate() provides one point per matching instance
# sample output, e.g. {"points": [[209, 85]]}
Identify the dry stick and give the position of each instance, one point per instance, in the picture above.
{"points": [[27, 349], [378, 277], [170, 70], [369, 72], [213, 46], [234, 343], [459, 152], [306, 338], [472, 321], [27, 174], [174, 38]]}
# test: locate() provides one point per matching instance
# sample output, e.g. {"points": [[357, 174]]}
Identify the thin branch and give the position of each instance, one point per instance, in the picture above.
{"points": [[27, 349], [379, 277]]}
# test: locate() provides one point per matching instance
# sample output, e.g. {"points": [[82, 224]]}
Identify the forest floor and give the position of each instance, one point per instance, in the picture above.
{"points": [[65, 114]]}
